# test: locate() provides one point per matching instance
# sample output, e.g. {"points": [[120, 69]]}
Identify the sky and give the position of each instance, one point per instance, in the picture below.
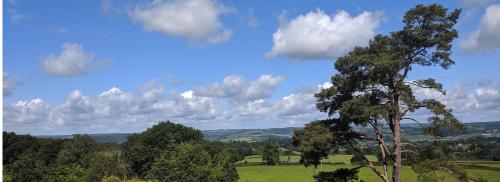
{"points": [[103, 66]]}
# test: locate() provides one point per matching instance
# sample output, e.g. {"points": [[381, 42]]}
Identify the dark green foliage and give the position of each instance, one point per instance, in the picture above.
{"points": [[66, 173], [28, 167], [14, 145], [77, 150], [141, 149], [107, 163], [358, 159], [271, 152], [188, 162], [314, 142], [223, 169], [339, 175], [175, 152], [193, 162]]}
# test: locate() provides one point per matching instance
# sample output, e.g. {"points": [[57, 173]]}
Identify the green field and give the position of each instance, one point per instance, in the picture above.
{"points": [[291, 173], [300, 173]]}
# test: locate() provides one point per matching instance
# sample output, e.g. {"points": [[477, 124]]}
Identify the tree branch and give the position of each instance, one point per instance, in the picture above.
{"points": [[369, 163]]}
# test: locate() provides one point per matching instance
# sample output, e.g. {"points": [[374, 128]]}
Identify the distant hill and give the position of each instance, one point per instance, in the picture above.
{"points": [[410, 132]]}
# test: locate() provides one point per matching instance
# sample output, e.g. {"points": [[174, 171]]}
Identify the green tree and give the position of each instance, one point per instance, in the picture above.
{"points": [[14, 146], [358, 159], [77, 150], [66, 173], [140, 150], [372, 87], [107, 163], [271, 152], [188, 162], [223, 169], [27, 168]]}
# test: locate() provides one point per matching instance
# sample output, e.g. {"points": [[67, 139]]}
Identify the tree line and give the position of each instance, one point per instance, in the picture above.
{"points": [[164, 152]]}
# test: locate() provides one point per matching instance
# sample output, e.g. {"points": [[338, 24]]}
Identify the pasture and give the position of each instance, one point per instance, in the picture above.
{"points": [[298, 173]]}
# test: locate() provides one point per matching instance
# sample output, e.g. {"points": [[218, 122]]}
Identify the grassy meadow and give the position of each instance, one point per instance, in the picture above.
{"points": [[298, 173]]}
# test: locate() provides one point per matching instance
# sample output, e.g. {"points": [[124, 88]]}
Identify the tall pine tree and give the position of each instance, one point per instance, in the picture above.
{"points": [[372, 89]]}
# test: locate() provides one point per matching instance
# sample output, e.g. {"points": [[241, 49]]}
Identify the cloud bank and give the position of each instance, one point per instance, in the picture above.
{"points": [[235, 102]]}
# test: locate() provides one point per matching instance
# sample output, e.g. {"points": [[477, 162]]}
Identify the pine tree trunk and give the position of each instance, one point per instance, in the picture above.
{"points": [[396, 173]]}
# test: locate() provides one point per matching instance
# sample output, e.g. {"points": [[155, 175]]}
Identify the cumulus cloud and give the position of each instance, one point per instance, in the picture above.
{"points": [[197, 21], [237, 87], [470, 101], [487, 37], [317, 35], [10, 82], [72, 61]]}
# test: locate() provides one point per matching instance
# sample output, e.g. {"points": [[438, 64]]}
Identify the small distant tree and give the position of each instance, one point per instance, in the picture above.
{"points": [[271, 152], [358, 159]]}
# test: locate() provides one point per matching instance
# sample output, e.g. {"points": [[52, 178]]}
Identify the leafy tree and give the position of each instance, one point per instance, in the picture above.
{"points": [[107, 163], [271, 152], [27, 168], [188, 162], [314, 141], [358, 159], [15, 145], [140, 150], [66, 173], [372, 87], [49, 149], [77, 150], [223, 169]]}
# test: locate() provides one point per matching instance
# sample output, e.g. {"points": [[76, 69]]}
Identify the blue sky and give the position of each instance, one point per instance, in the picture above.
{"points": [[99, 66]]}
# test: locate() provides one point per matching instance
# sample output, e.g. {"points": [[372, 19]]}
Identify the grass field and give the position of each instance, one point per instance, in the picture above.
{"points": [[299, 173]]}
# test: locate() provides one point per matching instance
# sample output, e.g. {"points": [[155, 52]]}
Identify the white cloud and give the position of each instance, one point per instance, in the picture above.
{"points": [[240, 89], [197, 21], [26, 112], [487, 37], [317, 35], [470, 102], [10, 82], [72, 61]]}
